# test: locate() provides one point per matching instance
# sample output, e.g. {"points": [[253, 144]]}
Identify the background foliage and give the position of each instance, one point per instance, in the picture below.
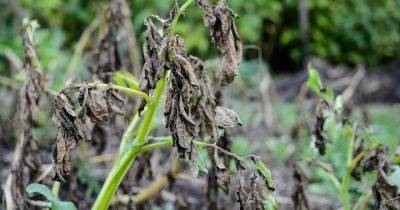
{"points": [[341, 31]]}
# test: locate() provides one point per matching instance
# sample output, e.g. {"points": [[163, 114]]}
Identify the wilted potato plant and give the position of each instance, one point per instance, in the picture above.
{"points": [[349, 153], [194, 113]]}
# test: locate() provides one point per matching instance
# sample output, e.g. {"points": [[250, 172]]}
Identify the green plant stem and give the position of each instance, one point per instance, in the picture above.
{"points": [[344, 185], [127, 136], [179, 14], [56, 188], [118, 173]]}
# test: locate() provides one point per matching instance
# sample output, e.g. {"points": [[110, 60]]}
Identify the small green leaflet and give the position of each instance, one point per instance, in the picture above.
{"points": [[270, 203], [46, 192], [266, 173], [126, 79], [315, 84]]}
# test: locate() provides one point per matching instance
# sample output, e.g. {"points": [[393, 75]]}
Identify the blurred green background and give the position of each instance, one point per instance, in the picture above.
{"points": [[342, 31]]}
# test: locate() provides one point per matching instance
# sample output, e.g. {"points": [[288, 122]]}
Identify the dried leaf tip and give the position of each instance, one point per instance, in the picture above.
{"points": [[221, 20]]}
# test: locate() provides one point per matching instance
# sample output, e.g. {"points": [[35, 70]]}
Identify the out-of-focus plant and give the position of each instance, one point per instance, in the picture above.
{"points": [[346, 152]]}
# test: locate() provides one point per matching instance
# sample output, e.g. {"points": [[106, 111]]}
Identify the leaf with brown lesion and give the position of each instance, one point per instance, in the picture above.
{"points": [[70, 118], [221, 21], [222, 174], [320, 139]]}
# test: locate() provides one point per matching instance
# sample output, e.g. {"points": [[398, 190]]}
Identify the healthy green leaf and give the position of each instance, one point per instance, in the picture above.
{"points": [[46, 192], [126, 79], [315, 84], [42, 189]]}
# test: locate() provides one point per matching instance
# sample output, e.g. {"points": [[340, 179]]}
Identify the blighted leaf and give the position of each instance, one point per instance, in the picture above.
{"points": [[94, 103], [320, 139], [375, 159], [115, 101], [222, 174], [383, 191], [221, 20], [26, 152], [299, 197], [255, 195], [153, 51], [226, 118], [194, 162], [204, 102], [178, 103], [97, 108]]}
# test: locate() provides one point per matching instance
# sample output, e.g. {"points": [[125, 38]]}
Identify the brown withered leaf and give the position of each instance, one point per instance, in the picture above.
{"points": [[320, 139], [150, 72], [299, 197], [26, 151], [226, 118], [255, 195], [71, 129], [97, 107], [125, 36], [153, 52], [221, 20], [384, 191], [375, 159], [115, 101], [62, 153], [178, 104], [203, 101], [222, 174], [70, 115]]}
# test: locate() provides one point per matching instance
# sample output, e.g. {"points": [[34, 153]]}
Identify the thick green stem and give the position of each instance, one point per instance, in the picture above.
{"points": [[118, 173], [344, 186]]}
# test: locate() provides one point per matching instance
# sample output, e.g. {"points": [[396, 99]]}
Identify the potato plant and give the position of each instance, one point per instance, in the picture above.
{"points": [[193, 111]]}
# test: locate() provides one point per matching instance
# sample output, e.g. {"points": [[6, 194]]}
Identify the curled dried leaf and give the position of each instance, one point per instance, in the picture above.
{"points": [[320, 139], [299, 197], [384, 191], [226, 118], [203, 101], [97, 107], [69, 117], [179, 97], [221, 20], [151, 50], [375, 159], [255, 195], [222, 174]]}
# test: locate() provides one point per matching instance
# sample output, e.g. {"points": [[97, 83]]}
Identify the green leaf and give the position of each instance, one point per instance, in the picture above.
{"points": [[315, 84], [266, 173], [46, 192], [42, 189], [240, 147], [123, 78], [62, 205], [270, 202]]}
